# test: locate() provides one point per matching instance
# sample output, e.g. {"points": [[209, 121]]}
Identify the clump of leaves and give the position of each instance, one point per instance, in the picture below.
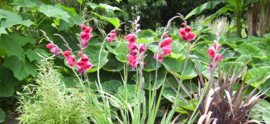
{"points": [[50, 101], [223, 103]]}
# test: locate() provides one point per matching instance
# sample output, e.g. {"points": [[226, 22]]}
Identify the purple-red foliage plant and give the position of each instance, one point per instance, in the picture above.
{"points": [[219, 102]]}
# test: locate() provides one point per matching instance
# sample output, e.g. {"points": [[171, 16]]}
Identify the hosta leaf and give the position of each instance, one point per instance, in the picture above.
{"points": [[21, 70], [113, 64], [92, 52], [121, 51], [7, 82], [111, 86], [249, 49], [2, 115], [52, 11], [24, 3], [12, 19], [256, 72], [33, 54]]}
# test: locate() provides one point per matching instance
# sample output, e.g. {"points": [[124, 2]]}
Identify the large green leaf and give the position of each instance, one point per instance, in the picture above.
{"points": [[257, 111], [111, 86], [121, 51], [256, 72], [7, 83], [225, 66], [235, 3], [70, 9], [74, 20], [266, 115], [2, 115], [21, 70], [190, 105], [114, 21], [113, 64], [52, 11], [199, 9], [10, 45], [92, 51], [35, 54], [251, 50], [24, 3], [12, 19], [131, 95], [150, 62]]}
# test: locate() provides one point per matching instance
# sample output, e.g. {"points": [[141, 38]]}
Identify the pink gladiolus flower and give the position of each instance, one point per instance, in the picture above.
{"points": [[85, 58], [86, 36], [50, 46], [211, 66], [113, 35], [167, 42], [88, 30], [166, 36], [217, 46], [83, 27], [182, 32], [133, 61], [110, 39], [88, 66], [190, 36], [211, 51], [131, 38], [66, 53], [80, 70], [79, 54], [142, 48], [160, 58], [187, 29], [167, 50], [184, 38], [131, 46], [71, 60], [219, 57], [84, 43]]}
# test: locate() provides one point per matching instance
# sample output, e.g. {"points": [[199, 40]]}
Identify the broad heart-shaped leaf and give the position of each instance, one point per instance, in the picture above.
{"points": [[257, 111], [178, 67], [199, 9], [21, 70], [232, 42], [251, 50], [2, 115], [131, 95], [92, 51], [74, 20], [114, 21], [121, 51], [52, 11], [113, 64], [150, 62], [178, 50], [111, 86], [35, 54], [256, 72], [149, 78], [12, 19], [7, 82], [11, 46], [24, 3], [70, 9], [266, 115]]}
